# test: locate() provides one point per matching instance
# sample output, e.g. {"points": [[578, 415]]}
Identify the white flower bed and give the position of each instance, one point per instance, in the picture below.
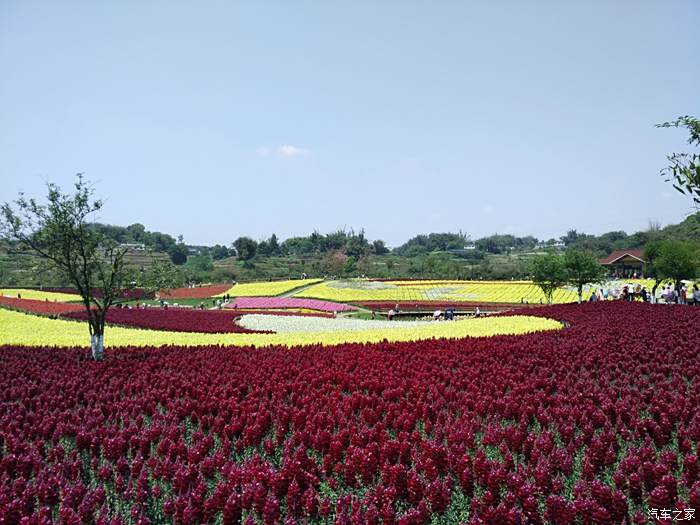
{"points": [[289, 324]]}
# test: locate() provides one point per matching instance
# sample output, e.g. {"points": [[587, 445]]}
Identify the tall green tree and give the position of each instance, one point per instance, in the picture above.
{"points": [[683, 170], [652, 250], [59, 232], [582, 268], [274, 245], [178, 253], [549, 273], [245, 247], [676, 260]]}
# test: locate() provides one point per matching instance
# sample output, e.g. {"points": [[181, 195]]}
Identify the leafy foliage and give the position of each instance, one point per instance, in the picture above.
{"points": [[675, 260], [683, 170], [549, 273], [61, 234], [245, 248], [582, 267]]}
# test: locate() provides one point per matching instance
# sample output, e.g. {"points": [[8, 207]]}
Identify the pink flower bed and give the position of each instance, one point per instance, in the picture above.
{"points": [[289, 302]]}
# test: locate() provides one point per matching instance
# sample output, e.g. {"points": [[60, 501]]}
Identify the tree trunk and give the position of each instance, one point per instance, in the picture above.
{"points": [[97, 345], [580, 293], [657, 282], [97, 340]]}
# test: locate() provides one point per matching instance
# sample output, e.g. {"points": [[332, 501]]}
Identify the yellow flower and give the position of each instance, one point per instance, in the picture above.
{"points": [[39, 295], [267, 289], [444, 291], [28, 330]]}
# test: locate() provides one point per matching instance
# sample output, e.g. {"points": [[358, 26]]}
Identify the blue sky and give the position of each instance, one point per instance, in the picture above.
{"points": [[219, 119]]}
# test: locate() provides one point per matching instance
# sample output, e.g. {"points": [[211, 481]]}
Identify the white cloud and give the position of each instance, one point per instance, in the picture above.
{"points": [[285, 150]]}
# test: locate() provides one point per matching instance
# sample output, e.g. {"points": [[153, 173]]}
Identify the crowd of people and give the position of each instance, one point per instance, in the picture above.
{"points": [[636, 292], [448, 314]]}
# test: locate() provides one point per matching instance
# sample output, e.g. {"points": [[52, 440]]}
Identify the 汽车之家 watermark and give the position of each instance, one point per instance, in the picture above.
{"points": [[671, 514]]}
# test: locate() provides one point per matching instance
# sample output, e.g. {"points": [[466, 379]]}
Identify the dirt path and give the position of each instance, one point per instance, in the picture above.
{"points": [[298, 289]]}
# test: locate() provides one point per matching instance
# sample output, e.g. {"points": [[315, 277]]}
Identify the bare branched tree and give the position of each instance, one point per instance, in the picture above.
{"points": [[59, 232]]}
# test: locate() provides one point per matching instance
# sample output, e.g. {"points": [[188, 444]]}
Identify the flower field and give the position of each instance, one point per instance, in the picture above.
{"points": [[39, 295], [454, 291], [441, 291], [30, 330], [172, 319], [289, 302], [198, 292], [435, 305], [590, 424], [266, 289], [39, 307], [294, 324]]}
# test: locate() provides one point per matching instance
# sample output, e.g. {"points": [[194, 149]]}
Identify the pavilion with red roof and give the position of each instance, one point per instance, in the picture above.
{"points": [[625, 263]]}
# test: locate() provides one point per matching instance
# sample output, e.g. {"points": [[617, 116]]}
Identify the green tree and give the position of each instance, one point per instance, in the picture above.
{"points": [[201, 263], [357, 246], [246, 248], [683, 170], [582, 267], [549, 273], [59, 232], [219, 252], [676, 260], [652, 251], [160, 276], [274, 245], [178, 253], [350, 265], [379, 247], [263, 249]]}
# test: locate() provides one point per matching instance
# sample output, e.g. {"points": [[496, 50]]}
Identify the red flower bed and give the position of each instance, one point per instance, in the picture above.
{"points": [[39, 307], [592, 424], [132, 293], [199, 292], [183, 319], [173, 319]]}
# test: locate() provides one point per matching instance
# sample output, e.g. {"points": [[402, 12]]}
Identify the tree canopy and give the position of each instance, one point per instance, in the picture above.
{"points": [[61, 234], [582, 267], [549, 273], [683, 170]]}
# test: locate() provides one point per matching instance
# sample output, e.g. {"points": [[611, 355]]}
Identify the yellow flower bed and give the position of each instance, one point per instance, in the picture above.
{"points": [[266, 289], [457, 291], [38, 295], [29, 330]]}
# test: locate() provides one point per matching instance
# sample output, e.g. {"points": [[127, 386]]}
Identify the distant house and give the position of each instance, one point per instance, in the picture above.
{"points": [[625, 263], [470, 247], [548, 245], [133, 246]]}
